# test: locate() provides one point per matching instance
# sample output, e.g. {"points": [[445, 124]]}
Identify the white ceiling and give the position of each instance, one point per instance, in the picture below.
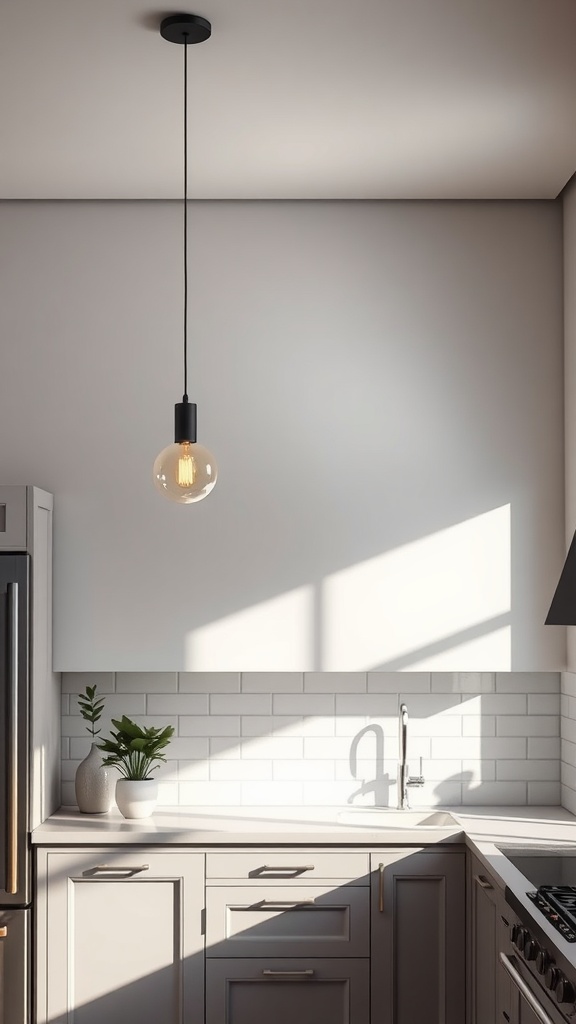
{"points": [[301, 99]]}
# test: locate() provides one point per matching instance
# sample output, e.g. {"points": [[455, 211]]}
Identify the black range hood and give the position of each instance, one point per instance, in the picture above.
{"points": [[563, 608]]}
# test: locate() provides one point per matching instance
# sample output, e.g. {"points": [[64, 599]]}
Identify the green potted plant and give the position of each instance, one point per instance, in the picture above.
{"points": [[136, 751], [93, 781]]}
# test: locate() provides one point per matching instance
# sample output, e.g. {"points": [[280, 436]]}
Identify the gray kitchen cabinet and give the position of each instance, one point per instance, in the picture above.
{"points": [[418, 936], [287, 991], [119, 936], [288, 937], [490, 993]]}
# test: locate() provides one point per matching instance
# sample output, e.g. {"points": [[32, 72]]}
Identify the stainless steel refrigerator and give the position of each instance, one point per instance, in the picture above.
{"points": [[15, 856]]}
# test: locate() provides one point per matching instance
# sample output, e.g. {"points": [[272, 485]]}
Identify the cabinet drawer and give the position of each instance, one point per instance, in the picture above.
{"points": [[280, 920], [287, 991], [287, 865]]}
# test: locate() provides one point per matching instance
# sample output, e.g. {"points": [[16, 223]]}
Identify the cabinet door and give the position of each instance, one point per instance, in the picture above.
{"points": [[488, 934], [418, 937], [483, 945], [287, 991], [119, 937]]}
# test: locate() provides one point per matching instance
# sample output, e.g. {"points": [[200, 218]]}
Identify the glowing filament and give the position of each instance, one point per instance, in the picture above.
{"points": [[186, 468]]}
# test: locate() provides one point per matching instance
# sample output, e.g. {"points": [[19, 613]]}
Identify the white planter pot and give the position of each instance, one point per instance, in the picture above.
{"points": [[136, 799]]}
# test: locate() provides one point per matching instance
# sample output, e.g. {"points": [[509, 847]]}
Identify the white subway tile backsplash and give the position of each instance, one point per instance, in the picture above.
{"points": [[547, 747], [177, 704], [209, 682], [543, 703], [527, 682], [544, 793], [209, 725], [483, 725], [375, 705], [527, 725], [146, 682], [529, 770], [303, 704], [281, 747], [272, 793], [331, 738], [497, 793], [335, 682], [303, 771], [76, 682], [272, 682], [463, 682], [391, 682], [241, 770], [269, 725], [240, 704]]}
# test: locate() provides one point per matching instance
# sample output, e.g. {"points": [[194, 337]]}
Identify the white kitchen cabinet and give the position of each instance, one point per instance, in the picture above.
{"points": [[119, 936], [418, 936]]}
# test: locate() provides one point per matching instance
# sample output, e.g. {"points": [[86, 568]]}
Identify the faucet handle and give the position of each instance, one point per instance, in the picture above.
{"points": [[416, 780]]}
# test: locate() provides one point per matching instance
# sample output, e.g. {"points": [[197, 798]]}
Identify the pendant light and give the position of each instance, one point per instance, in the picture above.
{"points": [[185, 471]]}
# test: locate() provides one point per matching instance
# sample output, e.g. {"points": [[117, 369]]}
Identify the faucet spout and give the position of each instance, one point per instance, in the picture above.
{"points": [[404, 778]]}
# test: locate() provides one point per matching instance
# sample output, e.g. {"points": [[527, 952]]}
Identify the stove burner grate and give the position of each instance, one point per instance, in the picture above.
{"points": [[558, 903]]}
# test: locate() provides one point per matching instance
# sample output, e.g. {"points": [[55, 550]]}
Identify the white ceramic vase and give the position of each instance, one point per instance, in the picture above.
{"points": [[93, 784], [136, 798]]}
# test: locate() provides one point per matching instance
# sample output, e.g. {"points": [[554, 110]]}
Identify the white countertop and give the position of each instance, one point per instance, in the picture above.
{"points": [[485, 830]]}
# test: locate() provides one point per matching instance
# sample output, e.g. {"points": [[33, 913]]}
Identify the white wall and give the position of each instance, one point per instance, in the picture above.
{"points": [[382, 386], [323, 738]]}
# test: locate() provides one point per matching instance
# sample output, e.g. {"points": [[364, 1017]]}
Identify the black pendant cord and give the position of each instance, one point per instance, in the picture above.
{"points": [[185, 396]]}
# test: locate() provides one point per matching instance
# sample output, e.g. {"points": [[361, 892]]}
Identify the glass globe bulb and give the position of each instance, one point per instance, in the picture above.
{"points": [[185, 472]]}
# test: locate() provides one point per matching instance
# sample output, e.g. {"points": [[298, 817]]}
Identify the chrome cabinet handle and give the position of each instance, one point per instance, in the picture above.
{"points": [[3, 932], [286, 867], [12, 744], [288, 974], [282, 903], [381, 888], [482, 882], [134, 868], [526, 992]]}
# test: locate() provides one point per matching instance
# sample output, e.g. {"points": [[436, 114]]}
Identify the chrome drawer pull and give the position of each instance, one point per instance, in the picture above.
{"points": [[283, 903], [121, 867], [287, 867], [482, 882], [12, 742], [381, 888], [3, 933], [526, 992], [288, 974]]}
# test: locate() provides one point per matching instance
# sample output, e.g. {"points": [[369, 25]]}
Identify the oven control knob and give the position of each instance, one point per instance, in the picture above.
{"points": [[521, 939], [552, 977], [543, 961], [565, 990], [531, 949], [513, 933]]}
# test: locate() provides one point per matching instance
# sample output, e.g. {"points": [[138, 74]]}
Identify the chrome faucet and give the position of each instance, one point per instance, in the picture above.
{"points": [[404, 777]]}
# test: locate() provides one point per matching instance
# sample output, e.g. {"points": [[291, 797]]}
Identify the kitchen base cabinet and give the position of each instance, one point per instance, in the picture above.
{"points": [[287, 991], [490, 990], [418, 936], [119, 936]]}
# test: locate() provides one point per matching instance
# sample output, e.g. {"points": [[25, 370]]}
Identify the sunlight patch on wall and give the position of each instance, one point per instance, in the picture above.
{"points": [[409, 599], [274, 635]]}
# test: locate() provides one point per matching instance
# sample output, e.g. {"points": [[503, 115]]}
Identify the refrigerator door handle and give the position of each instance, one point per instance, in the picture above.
{"points": [[12, 794]]}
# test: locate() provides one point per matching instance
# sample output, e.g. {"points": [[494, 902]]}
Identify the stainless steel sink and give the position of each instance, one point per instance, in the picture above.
{"points": [[381, 817]]}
